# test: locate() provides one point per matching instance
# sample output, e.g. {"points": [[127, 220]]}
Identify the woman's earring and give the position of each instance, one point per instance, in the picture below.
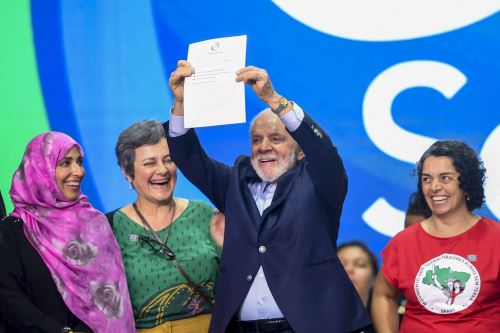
{"points": [[131, 186], [467, 197]]}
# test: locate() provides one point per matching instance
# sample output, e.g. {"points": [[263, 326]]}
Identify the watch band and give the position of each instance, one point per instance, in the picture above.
{"points": [[283, 104]]}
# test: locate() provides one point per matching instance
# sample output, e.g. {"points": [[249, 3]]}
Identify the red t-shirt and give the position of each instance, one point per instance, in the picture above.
{"points": [[450, 284]]}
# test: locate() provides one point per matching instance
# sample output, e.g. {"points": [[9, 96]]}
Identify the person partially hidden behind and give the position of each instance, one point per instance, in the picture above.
{"points": [[361, 265], [279, 270], [60, 265], [448, 265], [415, 213]]}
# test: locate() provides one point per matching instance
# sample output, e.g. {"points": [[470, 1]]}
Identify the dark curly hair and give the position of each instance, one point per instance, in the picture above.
{"points": [[468, 165]]}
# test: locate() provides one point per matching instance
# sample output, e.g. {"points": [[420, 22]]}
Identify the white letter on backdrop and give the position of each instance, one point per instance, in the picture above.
{"points": [[392, 139]]}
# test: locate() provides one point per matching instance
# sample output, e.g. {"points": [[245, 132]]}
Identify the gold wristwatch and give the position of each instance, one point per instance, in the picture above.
{"points": [[283, 104]]}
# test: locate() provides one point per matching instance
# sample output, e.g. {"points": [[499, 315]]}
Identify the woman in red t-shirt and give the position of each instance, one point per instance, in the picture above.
{"points": [[448, 266]]}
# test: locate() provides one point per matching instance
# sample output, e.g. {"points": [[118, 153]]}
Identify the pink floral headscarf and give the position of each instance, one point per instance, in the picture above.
{"points": [[74, 240]]}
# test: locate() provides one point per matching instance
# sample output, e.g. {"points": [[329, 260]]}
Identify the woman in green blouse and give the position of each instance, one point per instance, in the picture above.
{"points": [[169, 246]]}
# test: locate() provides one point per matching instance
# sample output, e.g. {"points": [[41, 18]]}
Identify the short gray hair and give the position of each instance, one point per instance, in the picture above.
{"points": [[257, 116], [144, 132]]}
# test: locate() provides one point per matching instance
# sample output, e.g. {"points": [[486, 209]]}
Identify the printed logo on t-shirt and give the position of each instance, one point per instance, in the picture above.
{"points": [[447, 284]]}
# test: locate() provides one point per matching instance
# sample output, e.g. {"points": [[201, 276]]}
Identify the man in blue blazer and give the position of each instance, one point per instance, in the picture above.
{"points": [[279, 270]]}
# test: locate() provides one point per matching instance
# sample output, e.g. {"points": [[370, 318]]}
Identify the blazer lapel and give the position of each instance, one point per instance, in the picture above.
{"points": [[249, 176], [285, 183]]}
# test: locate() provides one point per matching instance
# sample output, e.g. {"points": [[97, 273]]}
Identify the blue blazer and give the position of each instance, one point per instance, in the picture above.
{"points": [[299, 230]]}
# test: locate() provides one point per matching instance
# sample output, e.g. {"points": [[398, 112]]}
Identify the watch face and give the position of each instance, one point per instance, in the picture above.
{"points": [[283, 101]]}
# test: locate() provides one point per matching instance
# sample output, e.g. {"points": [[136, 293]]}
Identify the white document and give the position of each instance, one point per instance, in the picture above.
{"points": [[211, 95]]}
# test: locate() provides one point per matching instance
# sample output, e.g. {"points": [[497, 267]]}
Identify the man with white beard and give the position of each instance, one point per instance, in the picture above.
{"points": [[279, 270], [274, 151]]}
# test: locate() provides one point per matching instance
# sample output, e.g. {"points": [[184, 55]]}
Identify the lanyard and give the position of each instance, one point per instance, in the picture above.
{"points": [[146, 223], [171, 254]]}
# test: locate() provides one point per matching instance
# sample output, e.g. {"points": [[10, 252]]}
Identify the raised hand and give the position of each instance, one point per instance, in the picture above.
{"points": [[258, 79], [176, 83]]}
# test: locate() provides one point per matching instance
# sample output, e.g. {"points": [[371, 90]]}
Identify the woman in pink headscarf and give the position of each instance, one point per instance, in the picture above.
{"points": [[60, 265]]}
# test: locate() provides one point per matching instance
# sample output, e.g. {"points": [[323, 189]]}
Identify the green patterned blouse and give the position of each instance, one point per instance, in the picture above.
{"points": [[157, 289]]}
